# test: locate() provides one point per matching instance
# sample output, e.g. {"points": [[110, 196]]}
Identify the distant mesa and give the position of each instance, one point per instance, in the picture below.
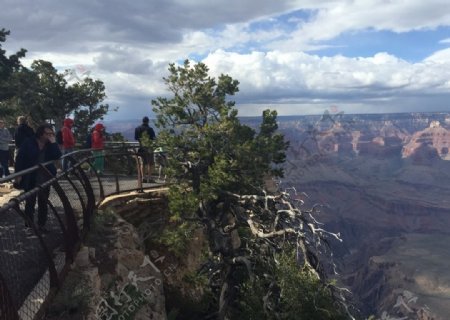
{"points": [[429, 144]]}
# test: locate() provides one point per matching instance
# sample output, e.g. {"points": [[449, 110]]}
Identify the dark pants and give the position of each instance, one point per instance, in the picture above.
{"points": [[4, 162], [30, 203]]}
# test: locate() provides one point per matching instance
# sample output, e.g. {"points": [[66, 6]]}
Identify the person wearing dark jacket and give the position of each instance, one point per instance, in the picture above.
{"points": [[38, 149], [22, 132], [145, 153]]}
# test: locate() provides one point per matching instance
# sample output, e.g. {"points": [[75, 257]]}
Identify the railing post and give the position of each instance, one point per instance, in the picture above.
{"points": [[90, 206]]}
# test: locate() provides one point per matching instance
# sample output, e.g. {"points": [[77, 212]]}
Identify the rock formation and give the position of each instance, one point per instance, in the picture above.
{"points": [[395, 182], [423, 142]]}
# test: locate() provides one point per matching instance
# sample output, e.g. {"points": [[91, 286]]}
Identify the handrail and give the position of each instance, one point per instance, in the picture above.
{"points": [[33, 264]]}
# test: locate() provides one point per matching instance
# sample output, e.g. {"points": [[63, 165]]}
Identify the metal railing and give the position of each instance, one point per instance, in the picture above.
{"points": [[33, 264]]}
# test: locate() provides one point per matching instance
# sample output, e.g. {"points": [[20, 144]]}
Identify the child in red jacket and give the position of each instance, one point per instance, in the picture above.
{"points": [[68, 140], [98, 143]]}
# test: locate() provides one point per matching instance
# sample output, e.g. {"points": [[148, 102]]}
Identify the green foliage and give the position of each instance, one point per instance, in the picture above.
{"points": [[182, 202], [8, 67], [43, 94], [50, 97], [177, 233], [210, 150], [175, 237], [116, 137], [301, 295], [213, 161], [196, 279], [90, 93]]}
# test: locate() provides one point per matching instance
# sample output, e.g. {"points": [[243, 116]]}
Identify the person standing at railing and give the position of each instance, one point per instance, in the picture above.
{"points": [[145, 153], [5, 139], [98, 144], [68, 140], [23, 131], [39, 149]]}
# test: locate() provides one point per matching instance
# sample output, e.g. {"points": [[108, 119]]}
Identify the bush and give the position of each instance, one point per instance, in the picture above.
{"points": [[301, 295]]}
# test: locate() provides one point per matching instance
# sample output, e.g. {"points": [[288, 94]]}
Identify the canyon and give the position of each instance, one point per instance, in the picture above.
{"points": [[383, 183]]}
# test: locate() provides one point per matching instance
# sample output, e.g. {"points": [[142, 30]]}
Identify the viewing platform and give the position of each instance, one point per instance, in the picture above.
{"points": [[34, 263]]}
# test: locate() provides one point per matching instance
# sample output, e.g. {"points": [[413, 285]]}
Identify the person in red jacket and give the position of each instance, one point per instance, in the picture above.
{"points": [[68, 140], [98, 143]]}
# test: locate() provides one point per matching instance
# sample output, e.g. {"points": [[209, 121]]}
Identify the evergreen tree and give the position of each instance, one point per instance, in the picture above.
{"points": [[219, 167], [9, 66], [211, 151], [89, 94], [43, 94]]}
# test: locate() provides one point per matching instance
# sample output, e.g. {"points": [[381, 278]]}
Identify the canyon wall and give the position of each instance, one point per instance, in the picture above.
{"points": [[384, 182]]}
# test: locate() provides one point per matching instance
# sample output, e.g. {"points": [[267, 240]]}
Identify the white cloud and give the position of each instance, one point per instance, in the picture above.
{"points": [[268, 77], [351, 16], [129, 46], [440, 57]]}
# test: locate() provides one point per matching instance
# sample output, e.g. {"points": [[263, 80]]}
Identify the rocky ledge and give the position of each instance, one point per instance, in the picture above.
{"points": [[111, 277]]}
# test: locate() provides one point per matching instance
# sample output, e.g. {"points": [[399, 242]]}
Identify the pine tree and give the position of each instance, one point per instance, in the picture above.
{"points": [[218, 167]]}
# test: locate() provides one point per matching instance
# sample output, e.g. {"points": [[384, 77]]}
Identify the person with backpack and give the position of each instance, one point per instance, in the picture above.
{"points": [[68, 141], [98, 144], [145, 154]]}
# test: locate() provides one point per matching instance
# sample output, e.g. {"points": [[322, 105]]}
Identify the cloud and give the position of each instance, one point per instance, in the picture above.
{"points": [[289, 78], [269, 46], [441, 57], [123, 59], [337, 18], [297, 72]]}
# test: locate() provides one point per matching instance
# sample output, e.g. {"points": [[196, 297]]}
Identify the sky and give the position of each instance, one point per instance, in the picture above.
{"points": [[298, 57]]}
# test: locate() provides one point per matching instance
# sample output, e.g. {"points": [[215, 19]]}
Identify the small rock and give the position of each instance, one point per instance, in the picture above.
{"points": [[82, 259]]}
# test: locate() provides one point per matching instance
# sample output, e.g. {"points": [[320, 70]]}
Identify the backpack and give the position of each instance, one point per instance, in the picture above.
{"points": [[59, 137]]}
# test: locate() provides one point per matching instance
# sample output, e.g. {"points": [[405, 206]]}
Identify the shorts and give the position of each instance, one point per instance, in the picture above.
{"points": [[146, 155]]}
